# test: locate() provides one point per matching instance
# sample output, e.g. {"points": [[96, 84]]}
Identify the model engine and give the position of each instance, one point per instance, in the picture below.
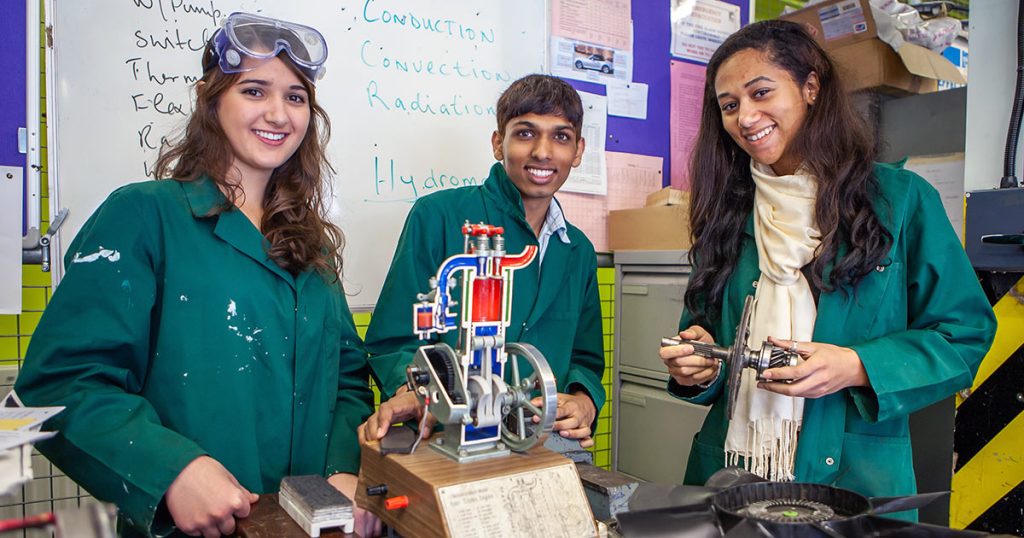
{"points": [[485, 389]]}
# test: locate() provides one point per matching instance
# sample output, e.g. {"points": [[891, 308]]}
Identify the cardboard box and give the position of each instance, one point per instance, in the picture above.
{"points": [[847, 29], [665, 227], [873, 64], [668, 196], [837, 23]]}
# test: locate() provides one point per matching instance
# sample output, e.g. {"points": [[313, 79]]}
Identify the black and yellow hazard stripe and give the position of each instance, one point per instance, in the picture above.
{"points": [[988, 479]]}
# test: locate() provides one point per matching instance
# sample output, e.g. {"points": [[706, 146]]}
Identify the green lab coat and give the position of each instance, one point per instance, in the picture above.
{"points": [[920, 324], [182, 338], [555, 304]]}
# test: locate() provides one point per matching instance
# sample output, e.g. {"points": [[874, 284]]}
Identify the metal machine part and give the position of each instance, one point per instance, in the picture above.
{"points": [[994, 220], [740, 355], [35, 249], [437, 382], [789, 511], [474, 401], [736, 503], [483, 389], [518, 430], [995, 230]]}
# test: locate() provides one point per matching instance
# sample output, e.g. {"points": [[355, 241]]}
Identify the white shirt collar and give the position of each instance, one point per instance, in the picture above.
{"points": [[554, 223]]}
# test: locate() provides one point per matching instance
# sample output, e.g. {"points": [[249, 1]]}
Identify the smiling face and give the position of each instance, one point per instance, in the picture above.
{"points": [[264, 116], [763, 108], [538, 151]]}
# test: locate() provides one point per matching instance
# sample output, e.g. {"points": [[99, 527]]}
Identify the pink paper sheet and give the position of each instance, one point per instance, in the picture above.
{"points": [[687, 91], [631, 178], [601, 22]]}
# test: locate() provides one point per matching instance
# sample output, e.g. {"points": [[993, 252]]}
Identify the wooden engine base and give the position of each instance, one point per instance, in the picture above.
{"points": [[537, 493]]}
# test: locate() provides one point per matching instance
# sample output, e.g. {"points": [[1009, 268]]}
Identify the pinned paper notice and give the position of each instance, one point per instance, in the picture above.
{"points": [[700, 26], [631, 178], [627, 100], [580, 60], [602, 22], [591, 176], [946, 174], [687, 90]]}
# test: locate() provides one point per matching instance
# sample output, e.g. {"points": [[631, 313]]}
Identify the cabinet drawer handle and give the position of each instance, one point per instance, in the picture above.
{"points": [[635, 400], [634, 289]]}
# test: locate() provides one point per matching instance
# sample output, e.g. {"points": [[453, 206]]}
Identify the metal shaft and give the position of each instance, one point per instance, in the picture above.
{"points": [[709, 351]]}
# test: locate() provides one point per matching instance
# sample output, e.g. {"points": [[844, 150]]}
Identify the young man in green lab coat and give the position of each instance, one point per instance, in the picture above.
{"points": [[555, 299]]}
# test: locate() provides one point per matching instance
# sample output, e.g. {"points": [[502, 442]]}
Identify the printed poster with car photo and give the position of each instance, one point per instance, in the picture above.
{"points": [[580, 60]]}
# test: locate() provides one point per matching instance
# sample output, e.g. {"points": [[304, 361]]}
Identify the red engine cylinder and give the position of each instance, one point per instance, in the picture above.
{"points": [[487, 299], [424, 317]]}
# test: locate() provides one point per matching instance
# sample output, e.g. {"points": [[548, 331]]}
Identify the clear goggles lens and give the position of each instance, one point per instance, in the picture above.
{"points": [[244, 35]]}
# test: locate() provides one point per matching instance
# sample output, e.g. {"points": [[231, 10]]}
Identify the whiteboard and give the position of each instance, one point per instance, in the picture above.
{"points": [[410, 88]]}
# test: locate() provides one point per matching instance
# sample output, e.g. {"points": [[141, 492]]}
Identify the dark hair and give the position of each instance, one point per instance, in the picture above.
{"points": [[540, 94], [836, 148], [296, 201]]}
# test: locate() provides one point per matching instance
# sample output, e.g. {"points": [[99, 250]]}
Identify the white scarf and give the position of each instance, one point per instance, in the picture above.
{"points": [[765, 426]]}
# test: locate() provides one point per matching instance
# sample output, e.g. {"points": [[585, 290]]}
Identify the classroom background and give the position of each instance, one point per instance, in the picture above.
{"points": [[639, 66]]}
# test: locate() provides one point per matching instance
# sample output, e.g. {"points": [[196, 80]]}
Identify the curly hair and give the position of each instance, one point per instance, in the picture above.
{"points": [[836, 147], [297, 197]]}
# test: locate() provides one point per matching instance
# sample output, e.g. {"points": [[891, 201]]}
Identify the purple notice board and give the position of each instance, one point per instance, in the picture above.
{"points": [[12, 84], [652, 43]]}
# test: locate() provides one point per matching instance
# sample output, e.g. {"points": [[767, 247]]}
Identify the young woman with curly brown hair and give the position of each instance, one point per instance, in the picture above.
{"points": [[200, 340]]}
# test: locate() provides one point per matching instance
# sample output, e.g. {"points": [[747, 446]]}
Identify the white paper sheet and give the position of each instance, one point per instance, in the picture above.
{"points": [[591, 176], [627, 100], [534, 503], [20, 425], [700, 26], [25, 418], [946, 174], [12, 201], [11, 439]]}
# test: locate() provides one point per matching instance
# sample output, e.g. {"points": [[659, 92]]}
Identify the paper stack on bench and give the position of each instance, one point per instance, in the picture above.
{"points": [[19, 428], [315, 504]]}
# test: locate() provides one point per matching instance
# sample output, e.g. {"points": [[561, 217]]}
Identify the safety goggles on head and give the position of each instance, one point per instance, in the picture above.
{"points": [[244, 35]]}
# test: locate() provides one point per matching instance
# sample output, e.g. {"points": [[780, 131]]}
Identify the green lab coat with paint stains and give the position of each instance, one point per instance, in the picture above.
{"points": [[920, 324], [555, 304], [182, 338]]}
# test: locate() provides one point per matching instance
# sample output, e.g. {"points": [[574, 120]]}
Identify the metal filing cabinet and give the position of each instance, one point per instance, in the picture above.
{"points": [[652, 431]]}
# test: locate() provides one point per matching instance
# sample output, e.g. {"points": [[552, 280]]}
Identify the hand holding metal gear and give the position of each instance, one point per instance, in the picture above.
{"points": [[740, 355]]}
